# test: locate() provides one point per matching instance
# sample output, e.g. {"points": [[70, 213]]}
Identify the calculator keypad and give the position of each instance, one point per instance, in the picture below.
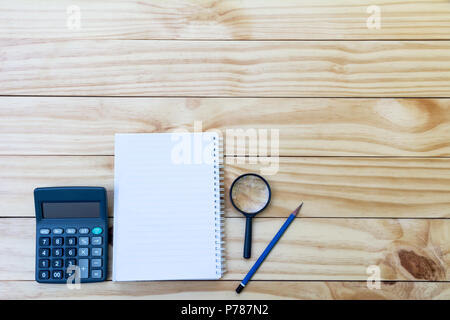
{"points": [[59, 249]]}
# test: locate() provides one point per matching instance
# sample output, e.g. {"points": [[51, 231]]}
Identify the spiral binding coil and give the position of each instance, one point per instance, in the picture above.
{"points": [[219, 206]]}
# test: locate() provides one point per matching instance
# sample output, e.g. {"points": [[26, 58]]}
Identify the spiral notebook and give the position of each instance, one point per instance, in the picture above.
{"points": [[168, 190]]}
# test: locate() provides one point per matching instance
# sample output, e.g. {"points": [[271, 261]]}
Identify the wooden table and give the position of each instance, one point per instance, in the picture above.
{"points": [[363, 116]]}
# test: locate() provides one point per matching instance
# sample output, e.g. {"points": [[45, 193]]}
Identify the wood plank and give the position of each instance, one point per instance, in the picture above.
{"points": [[330, 187], [226, 68], [312, 249], [225, 290], [208, 19], [21, 175], [307, 127], [354, 187]]}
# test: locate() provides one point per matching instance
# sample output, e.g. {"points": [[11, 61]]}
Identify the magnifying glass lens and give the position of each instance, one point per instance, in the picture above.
{"points": [[250, 194]]}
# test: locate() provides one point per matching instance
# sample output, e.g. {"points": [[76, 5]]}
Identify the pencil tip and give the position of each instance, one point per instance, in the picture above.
{"points": [[296, 211]]}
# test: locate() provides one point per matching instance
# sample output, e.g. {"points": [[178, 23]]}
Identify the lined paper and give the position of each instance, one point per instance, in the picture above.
{"points": [[164, 207]]}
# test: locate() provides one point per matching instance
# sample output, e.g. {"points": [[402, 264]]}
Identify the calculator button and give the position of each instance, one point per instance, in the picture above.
{"points": [[57, 274], [83, 252], [84, 268], [71, 252], [44, 263], [58, 252], [44, 274], [58, 231], [96, 274], [71, 262], [96, 252], [44, 231], [96, 263], [57, 263], [71, 241], [96, 241], [71, 230], [58, 241], [70, 272], [83, 230], [44, 252], [97, 230], [84, 241], [45, 242]]}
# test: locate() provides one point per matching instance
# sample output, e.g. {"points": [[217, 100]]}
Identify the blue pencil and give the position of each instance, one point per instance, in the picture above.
{"points": [[267, 250]]}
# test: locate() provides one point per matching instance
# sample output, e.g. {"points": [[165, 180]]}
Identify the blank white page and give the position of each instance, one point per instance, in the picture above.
{"points": [[166, 207]]}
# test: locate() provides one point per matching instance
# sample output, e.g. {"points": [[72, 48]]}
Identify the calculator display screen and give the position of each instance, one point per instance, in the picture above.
{"points": [[61, 210]]}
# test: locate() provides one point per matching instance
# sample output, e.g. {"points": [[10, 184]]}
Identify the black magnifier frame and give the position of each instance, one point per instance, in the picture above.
{"points": [[249, 215]]}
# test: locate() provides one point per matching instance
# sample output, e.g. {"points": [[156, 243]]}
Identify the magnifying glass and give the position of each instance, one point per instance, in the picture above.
{"points": [[249, 194]]}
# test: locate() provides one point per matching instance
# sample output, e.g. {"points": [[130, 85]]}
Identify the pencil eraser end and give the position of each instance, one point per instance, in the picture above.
{"points": [[239, 288]]}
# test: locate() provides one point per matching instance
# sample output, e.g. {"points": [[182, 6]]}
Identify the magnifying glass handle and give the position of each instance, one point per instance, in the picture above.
{"points": [[248, 238]]}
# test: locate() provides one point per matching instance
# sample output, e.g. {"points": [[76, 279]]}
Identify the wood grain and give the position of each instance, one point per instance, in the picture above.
{"points": [[208, 19], [330, 187], [312, 249], [355, 187], [226, 68], [307, 127], [207, 290]]}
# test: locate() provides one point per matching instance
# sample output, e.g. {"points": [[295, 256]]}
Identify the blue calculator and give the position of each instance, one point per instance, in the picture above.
{"points": [[71, 234]]}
